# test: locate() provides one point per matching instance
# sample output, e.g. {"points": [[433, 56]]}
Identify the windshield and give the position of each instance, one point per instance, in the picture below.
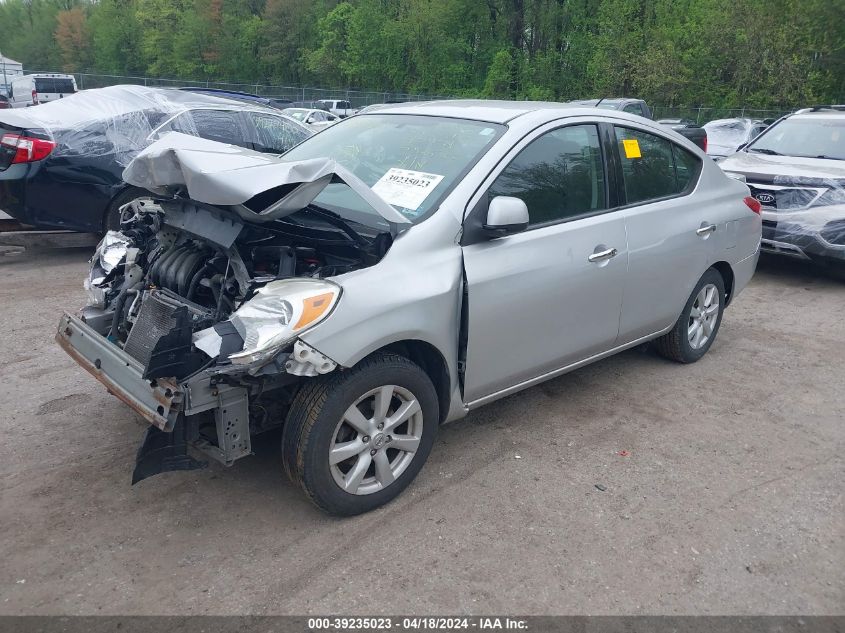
{"points": [[410, 161], [817, 137]]}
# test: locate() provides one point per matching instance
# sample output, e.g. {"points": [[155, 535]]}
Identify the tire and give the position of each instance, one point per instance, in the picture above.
{"points": [[111, 219], [685, 343], [318, 421]]}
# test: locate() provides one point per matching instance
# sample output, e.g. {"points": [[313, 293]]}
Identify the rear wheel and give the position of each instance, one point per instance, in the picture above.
{"points": [[355, 439], [696, 328]]}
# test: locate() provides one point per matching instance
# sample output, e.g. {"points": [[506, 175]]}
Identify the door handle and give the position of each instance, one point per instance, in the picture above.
{"points": [[602, 255], [704, 230]]}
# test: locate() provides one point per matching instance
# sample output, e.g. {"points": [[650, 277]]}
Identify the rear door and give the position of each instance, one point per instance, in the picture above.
{"points": [[671, 240], [52, 88], [551, 295]]}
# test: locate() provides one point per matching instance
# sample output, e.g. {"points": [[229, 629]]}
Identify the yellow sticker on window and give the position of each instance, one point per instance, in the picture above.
{"points": [[632, 148]]}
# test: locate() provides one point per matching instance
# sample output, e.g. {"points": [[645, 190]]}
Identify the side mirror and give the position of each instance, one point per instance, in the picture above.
{"points": [[506, 216]]}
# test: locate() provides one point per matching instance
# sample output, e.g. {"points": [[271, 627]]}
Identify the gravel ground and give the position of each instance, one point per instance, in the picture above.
{"points": [[721, 486]]}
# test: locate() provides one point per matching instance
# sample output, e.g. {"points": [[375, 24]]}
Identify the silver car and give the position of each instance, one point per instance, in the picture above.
{"points": [[396, 272]]}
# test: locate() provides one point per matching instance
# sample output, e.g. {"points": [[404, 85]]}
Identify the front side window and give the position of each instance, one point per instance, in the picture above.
{"points": [[559, 175], [653, 167]]}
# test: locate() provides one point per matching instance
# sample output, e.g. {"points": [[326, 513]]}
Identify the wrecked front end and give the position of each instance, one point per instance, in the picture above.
{"points": [[195, 309]]}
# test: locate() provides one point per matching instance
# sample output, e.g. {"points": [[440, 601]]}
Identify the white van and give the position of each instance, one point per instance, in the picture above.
{"points": [[30, 90]]}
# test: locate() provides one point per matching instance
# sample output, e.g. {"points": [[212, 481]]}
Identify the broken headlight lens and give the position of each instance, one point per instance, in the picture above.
{"points": [[109, 253], [278, 313]]}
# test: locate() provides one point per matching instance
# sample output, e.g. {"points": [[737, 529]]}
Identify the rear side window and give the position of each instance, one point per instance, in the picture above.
{"points": [[686, 168], [653, 167], [559, 175], [54, 85]]}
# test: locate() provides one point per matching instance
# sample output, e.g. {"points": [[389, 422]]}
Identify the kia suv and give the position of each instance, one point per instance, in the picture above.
{"points": [[796, 170]]}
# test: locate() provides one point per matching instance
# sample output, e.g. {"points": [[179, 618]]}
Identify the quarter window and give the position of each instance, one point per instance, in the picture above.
{"points": [[275, 134], [653, 167], [559, 175]]}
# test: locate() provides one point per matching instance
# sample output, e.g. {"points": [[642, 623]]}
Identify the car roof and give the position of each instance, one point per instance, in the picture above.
{"points": [[88, 106], [745, 120], [828, 115], [490, 111]]}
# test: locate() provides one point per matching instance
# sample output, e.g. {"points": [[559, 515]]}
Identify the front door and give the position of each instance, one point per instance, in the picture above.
{"points": [[551, 295]]}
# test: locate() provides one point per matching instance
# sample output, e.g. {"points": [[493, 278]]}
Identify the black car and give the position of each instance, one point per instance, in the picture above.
{"points": [[61, 163]]}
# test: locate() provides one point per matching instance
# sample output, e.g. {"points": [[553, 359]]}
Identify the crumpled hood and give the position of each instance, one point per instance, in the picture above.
{"points": [[762, 167], [227, 175]]}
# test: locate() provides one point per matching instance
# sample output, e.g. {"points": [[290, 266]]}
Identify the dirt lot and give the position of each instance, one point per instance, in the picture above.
{"points": [[729, 499]]}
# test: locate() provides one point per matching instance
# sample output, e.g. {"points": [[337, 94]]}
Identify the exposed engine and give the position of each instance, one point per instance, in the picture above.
{"points": [[178, 267]]}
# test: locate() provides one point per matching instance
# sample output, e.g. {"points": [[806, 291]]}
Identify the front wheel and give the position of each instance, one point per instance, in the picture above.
{"points": [[355, 439], [696, 328]]}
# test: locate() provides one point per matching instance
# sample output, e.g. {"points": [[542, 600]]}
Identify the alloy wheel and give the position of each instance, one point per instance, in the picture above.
{"points": [[376, 440], [703, 316]]}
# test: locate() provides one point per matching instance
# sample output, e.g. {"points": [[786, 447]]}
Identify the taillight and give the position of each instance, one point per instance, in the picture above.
{"points": [[34, 97], [753, 204], [27, 149], [705, 143]]}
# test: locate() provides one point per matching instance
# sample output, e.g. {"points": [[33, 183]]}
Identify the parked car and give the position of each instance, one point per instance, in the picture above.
{"points": [[726, 136], [31, 90], [315, 119], [339, 107], [74, 150], [325, 290], [4, 102], [639, 107], [796, 170], [309, 105]]}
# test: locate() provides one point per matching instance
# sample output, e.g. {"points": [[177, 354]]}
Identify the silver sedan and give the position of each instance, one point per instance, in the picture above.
{"points": [[403, 268]]}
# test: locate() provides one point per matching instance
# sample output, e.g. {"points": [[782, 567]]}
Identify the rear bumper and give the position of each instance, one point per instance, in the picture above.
{"points": [[161, 401]]}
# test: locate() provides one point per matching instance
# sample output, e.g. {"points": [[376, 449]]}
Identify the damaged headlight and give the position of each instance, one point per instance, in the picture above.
{"points": [[109, 253], [278, 313]]}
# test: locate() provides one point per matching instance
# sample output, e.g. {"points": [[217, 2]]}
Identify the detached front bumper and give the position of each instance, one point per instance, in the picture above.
{"points": [[162, 401], [158, 401]]}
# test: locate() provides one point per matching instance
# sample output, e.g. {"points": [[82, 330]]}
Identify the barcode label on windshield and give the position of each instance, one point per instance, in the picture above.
{"points": [[406, 188]]}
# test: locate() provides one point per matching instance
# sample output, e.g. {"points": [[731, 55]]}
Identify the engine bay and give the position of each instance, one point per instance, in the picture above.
{"points": [[178, 267]]}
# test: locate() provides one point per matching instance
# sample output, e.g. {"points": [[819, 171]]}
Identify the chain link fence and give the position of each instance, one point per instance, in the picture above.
{"points": [[701, 114], [357, 98], [361, 98]]}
